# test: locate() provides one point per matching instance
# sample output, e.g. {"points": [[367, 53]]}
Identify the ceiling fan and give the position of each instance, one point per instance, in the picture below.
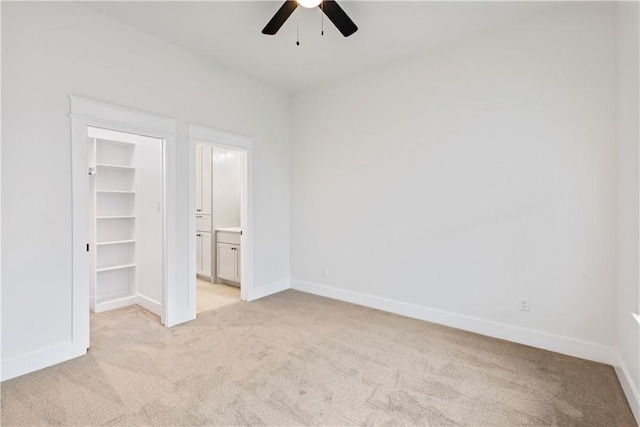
{"points": [[330, 8]]}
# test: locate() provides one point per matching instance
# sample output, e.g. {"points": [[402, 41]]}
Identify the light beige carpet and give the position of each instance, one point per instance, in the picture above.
{"points": [[298, 359], [210, 296]]}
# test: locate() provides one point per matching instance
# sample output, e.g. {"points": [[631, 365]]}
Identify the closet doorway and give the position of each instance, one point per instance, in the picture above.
{"points": [[220, 248], [126, 221]]}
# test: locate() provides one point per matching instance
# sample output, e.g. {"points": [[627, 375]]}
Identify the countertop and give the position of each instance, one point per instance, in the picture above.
{"points": [[230, 229]]}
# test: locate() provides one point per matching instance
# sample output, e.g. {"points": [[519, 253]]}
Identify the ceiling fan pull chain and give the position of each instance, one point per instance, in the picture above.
{"points": [[322, 19], [297, 30]]}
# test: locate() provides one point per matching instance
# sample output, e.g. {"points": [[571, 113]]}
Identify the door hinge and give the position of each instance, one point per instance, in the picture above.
{"points": [[87, 247]]}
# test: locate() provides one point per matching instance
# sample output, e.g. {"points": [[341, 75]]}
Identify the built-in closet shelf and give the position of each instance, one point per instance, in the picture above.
{"points": [[115, 242], [116, 217], [114, 237], [114, 166], [114, 267], [116, 191]]}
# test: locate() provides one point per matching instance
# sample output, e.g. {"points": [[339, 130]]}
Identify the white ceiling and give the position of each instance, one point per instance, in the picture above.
{"points": [[229, 32]]}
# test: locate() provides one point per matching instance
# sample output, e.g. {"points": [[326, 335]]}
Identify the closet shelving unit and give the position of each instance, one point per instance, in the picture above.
{"points": [[112, 208]]}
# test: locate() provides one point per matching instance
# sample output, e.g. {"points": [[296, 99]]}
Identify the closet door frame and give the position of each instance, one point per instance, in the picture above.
{"points": [[85, 113], [200, 135]]}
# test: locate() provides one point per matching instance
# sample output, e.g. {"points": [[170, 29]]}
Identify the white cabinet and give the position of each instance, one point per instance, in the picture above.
{"points": [[203, 254], [203, 223], [228, 255], [204, 174], [228, 262]]}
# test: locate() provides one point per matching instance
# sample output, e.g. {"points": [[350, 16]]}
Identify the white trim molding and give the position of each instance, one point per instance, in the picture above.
{"points": [[95, 110], [569, 346], [219, 137], [628, 386], [23, 364]]}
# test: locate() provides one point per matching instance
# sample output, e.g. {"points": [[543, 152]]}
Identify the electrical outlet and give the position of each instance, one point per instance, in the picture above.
{"points": [[524, 304], [324, 271]]}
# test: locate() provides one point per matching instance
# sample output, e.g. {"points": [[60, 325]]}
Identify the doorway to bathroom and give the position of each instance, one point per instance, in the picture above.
{"points": [[218, 196], [219, 213]]}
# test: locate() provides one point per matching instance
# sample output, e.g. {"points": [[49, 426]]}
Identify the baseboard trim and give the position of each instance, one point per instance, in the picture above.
{"points": [[180, 317], [630, 390], [118, 303], [148, 304], [24, 364], [559, 344], [268, 289]]}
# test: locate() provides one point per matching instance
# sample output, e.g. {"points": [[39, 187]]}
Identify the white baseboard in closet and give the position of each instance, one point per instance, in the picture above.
{"points": [[148, 304], [114, 303]]}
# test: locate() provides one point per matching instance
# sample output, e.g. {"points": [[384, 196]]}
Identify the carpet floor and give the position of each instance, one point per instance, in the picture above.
{"points": [[299, 359]]}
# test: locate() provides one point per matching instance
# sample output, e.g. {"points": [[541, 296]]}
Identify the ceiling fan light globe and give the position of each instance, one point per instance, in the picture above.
{"points": [[309, 3]]}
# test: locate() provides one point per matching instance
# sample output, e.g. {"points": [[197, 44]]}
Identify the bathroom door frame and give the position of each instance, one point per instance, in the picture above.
{"points": [[200, 135]]}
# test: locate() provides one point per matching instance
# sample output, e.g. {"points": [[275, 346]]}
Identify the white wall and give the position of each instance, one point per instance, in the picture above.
{"points": [[227, 187], [53, 49], [628, 285], [1, 219], [149, 228], [468, 177]]}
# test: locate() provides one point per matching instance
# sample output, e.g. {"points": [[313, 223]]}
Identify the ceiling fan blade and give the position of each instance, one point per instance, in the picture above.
{"points": [[339, 17], [280, 17]]}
